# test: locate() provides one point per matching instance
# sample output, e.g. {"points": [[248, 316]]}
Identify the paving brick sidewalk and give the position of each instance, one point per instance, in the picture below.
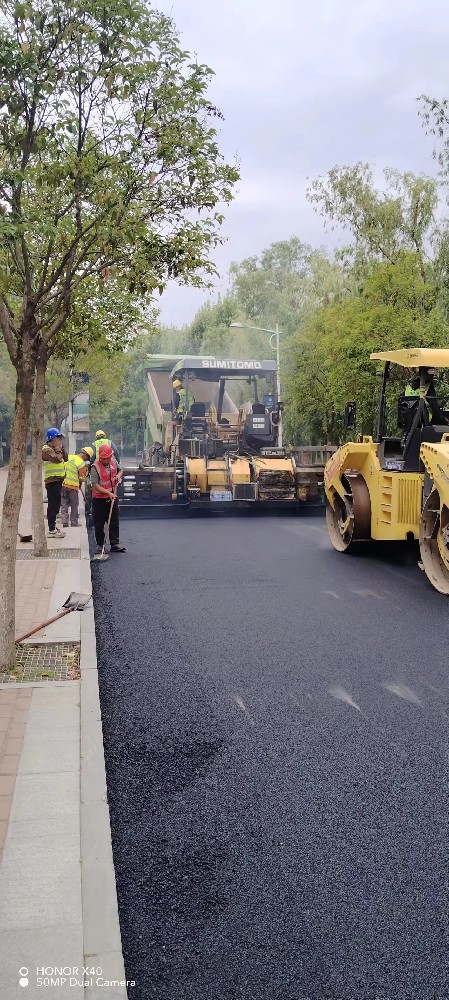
{"points": [[34, 585], [37, 581], [58, 904], [14, 707]]}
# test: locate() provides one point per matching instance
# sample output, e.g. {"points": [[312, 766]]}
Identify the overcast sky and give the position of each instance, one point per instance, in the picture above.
{"points": [[303, 86]]}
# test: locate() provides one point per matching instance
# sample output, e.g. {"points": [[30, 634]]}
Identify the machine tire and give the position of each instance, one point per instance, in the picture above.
{"points": [[350, 522], [434, 542]]}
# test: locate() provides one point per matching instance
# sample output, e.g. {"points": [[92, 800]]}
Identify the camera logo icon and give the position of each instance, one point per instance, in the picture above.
{"points": [[23, 973]]}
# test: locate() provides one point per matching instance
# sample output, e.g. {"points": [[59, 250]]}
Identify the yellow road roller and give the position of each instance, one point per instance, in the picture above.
{"points": [[395, 487]]}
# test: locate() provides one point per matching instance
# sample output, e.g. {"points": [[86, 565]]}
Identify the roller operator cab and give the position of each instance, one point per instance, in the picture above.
{"points": [[394, 486]]}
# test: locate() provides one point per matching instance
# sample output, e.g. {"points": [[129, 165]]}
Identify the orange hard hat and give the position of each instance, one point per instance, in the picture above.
{"points": [[105, 451]]}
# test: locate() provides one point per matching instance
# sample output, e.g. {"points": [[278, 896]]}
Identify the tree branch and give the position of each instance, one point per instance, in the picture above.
{"points": [[55, 328], [48, 254], [8, 329], [56, 274], [65, 295], [17, 261], [27, 268]]}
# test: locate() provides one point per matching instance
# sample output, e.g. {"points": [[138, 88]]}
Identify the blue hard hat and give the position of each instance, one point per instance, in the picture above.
{"points": [[53, 433]]}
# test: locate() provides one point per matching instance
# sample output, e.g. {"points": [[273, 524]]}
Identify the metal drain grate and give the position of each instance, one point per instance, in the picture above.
{"points": [[49, 661], [52, 554]]}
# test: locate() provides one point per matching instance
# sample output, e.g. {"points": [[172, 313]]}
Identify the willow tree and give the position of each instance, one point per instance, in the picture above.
{"points": [[109, 163]]}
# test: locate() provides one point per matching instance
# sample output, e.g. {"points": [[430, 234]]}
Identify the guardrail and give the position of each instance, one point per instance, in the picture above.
{"points": [[313, 455]]}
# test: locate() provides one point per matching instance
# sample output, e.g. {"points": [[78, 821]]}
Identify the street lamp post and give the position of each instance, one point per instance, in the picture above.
{"points": [[275, 347]]}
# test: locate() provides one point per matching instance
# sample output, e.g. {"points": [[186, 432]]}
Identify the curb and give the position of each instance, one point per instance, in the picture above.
{"points": [[101, 928]]}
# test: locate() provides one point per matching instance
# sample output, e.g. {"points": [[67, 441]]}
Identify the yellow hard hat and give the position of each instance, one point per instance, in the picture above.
{"points": [[177, 383], [100, 434], [87, 451]]}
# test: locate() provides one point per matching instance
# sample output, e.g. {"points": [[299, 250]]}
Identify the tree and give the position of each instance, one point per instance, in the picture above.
{"points": [[391, 291], [107, 147], [118, 406], [435, 116], [382, 223], [396, 308], [275, 287]]}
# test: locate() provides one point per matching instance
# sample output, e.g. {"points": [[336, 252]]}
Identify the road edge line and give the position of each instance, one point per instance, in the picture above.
{"points": [[102, 942]]}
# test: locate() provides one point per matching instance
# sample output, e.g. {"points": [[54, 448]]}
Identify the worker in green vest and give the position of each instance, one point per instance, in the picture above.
{"points": [[54, 458], [100, 438], [412, 389], [183, 398], [428, 392], [75, 473]]}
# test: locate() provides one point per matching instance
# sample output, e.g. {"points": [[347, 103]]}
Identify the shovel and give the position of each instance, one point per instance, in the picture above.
{"points": [[74, 602]]}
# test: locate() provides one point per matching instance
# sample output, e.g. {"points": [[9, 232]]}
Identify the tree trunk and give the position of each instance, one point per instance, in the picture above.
{"points": [[37, 493], [11, 510]]}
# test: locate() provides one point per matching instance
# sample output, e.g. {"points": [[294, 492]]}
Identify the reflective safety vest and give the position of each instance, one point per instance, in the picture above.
{"points": [[54, 470], [98, 443], [186, 398], [415, 392], [108, 478], [72, 468]]}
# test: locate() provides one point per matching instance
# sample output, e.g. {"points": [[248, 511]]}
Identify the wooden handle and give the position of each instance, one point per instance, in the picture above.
{"points": [[110, 512], [44, 624]]}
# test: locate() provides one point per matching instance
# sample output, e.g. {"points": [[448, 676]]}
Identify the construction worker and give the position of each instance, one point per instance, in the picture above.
{"points": [[86, 481], [428, 392], [105, 475], [412, 389], [183, 397], [75, 474], [100, 438], [54, 458]]}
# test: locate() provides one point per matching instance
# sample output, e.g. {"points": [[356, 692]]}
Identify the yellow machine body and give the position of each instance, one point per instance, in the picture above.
{"points": [[229, 472], [395, 498], [197, 473], [240, 470]]}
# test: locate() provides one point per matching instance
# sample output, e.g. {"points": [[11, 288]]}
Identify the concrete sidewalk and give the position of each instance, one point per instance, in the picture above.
{"points": [[58, 904]]}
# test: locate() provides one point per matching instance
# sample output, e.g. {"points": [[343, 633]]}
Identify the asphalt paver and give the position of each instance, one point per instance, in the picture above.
{"points": [[275, 721]]}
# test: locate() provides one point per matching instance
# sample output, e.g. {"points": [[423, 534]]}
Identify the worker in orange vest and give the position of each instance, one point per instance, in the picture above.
{"points": [[105, 475]]}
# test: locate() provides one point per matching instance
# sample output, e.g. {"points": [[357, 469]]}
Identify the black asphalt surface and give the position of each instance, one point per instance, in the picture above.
{"points": [[276, 736]]}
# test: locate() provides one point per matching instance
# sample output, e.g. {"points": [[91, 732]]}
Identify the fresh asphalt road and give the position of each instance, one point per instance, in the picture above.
{"points": [[276, 733]]}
